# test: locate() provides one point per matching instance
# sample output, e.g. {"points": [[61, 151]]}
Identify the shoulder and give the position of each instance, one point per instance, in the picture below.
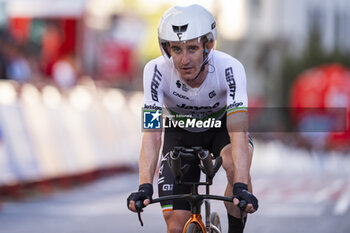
{"points": [[224, 61], [158, 65], [153, 75]]}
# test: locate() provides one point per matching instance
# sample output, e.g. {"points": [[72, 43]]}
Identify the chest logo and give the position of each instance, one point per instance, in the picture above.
{"points": [[212, 94], [180, 95], [180, 84]]}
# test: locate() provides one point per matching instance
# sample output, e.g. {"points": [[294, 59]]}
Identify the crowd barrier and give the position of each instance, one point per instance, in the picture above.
{"points": [[46, 133]]}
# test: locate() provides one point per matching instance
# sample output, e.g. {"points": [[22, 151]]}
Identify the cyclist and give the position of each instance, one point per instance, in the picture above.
{"points": [[194, 81]]}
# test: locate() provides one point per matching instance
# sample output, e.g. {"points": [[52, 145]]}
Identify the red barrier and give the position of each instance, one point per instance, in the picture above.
{"points": [[324, 87]]}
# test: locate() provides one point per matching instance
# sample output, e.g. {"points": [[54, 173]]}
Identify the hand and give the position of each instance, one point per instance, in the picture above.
{"points": [[240, 191], [144, 195]]}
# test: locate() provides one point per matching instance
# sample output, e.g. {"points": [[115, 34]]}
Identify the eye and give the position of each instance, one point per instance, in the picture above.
{"points": [[192, 49], [176, 50]]}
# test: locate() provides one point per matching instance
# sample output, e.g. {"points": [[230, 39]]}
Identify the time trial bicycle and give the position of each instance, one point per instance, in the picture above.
{"points": [[209, 168]]}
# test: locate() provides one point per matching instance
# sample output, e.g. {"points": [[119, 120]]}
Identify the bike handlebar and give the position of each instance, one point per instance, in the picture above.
{"points": [[139, 205], [242, 203], [185, 196]]}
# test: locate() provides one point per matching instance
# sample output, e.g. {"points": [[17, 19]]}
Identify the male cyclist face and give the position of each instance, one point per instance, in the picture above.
{"points": [[187, 57]]}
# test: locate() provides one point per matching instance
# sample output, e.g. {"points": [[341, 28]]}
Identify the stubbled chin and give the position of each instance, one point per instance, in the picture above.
{"points": [[187, 75]]}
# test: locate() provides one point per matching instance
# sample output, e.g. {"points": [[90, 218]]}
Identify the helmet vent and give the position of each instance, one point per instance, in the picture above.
{"points": [[181, 29]]}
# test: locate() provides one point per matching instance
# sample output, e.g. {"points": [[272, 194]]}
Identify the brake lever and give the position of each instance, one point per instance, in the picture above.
{"points": [[139, 206], [242, 205]]}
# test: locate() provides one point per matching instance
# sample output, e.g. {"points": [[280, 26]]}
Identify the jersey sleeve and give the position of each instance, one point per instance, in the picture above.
{"points": [[237, 99], [152, 87]]}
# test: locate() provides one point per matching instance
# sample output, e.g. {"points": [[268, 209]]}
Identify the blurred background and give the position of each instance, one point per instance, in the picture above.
{"points": [[71, 94]]}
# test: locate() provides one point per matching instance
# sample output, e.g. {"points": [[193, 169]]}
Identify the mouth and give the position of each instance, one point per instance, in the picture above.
{"points": [[186, 69]]}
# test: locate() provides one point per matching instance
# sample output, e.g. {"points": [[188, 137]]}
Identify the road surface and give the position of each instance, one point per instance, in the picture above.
{"points": [[296, 195]]}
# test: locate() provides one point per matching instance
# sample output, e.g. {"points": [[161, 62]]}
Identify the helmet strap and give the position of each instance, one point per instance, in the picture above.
{"points": [[205, 61]]}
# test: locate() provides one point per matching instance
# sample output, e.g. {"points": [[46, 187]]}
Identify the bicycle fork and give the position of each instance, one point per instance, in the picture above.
{"points": [[195, 218]]}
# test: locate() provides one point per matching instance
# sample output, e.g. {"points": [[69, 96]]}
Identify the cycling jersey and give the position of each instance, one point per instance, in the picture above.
{"points": [[222, 91]]}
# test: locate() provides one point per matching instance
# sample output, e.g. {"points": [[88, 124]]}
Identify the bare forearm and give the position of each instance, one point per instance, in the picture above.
{"points": [[237, 125], [151, 143], [240, 157]]}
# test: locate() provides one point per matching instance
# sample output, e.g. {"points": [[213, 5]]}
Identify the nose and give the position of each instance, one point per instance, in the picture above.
{"points": [[185, 58]]}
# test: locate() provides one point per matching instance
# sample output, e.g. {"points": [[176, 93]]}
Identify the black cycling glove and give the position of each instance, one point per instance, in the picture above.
{"points": [[240, 191], [145, 192]]}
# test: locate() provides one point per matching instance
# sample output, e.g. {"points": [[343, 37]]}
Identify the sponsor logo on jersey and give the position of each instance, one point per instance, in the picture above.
{"points": [[151, 107], [180, 84], [235, 105], [212, 94], [167, 187], [184, 87], [184, 106], [230, 81], [160, 172], [152, 120], [164, 157], [180, 96], [157, 77]]}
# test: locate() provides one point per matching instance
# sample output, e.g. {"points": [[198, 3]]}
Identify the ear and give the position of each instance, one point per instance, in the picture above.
{"points": [[210, 45]]}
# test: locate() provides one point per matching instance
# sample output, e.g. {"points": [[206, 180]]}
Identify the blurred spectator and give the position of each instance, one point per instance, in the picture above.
{"points": [[65, 72], [18, 68], [51, 42], [34, 64], [3, 70], [3, 59]]}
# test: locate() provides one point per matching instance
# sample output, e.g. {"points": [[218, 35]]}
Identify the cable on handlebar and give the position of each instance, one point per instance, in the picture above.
{"points": [[242, 205], [139, 206]]}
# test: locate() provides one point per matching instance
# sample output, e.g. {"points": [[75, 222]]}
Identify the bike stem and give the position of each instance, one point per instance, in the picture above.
{"points": [[195, 200]]}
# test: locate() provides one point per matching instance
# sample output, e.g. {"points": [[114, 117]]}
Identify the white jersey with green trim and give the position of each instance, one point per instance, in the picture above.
{"points": [[223, 90]]}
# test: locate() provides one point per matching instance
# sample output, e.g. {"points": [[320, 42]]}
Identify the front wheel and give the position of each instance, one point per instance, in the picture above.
{"points": [[215, 221], [194, 227]]}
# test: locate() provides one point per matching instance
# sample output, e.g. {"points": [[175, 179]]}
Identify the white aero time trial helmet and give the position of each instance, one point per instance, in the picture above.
{"points": [[185, 23]]}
